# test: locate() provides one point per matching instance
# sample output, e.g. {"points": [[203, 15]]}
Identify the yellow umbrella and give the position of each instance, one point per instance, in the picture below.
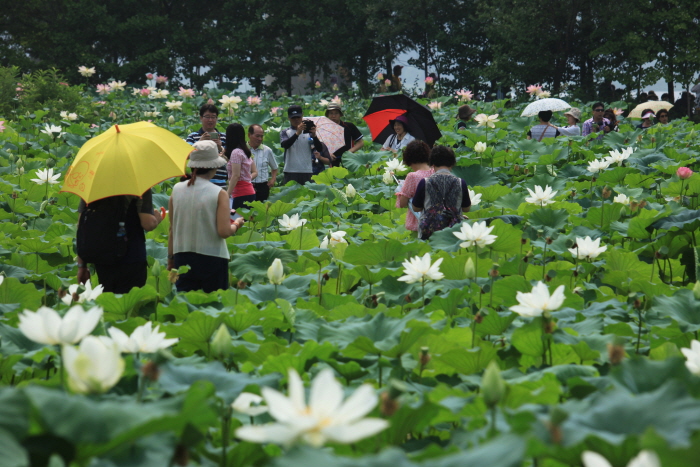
{"points": [[655, 106], [126, 160]]}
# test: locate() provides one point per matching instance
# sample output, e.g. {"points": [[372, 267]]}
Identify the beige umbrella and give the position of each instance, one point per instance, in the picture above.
{"points": [[655, 106]]}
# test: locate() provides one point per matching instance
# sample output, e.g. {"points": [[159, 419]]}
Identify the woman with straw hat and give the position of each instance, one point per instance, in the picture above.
{"points": [[200, 221]]}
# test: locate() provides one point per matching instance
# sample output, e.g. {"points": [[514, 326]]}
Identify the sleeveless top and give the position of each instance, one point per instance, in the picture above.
{"points": [[194, 219]]}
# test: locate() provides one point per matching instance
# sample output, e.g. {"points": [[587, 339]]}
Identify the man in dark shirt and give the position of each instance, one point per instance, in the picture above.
{"points": [[208, 115], [353, 136]]}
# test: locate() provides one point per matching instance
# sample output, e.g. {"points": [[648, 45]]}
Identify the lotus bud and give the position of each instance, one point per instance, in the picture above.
{"points": [[24, 225], [350, 191], [171, 120], [276, 272], [43, 205], [684, 173], [221, 342], [156, 268], [696, 290], [20, 163], [469, 269], [493, 387], [50, 162]]}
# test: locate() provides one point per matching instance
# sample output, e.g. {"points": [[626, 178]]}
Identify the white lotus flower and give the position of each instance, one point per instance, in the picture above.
{"points": [[538, 301], [543, 94], [587, 248], [396, 165], [155, 113], [117, 85], [249, 404], [136, 91], [46, 176], [388, 177], [174, 105], [46, 326], [645, 458], [143, 339], [619, 156], [72, 116], [476, 234], [435, 105], [85, 71], [228, 102], [480, 147], [87, 295], [350, 191], [598, 165], [541, 197], [276, 272], [327, 418], [474, 197], [159, 94], [335, 239], [692, 356], [486, 120], [287, 224], [419, 269], [95, 366], [622, 199], [52, 130]]}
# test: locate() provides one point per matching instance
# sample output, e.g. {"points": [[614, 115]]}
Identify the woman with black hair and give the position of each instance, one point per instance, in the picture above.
{"points": [[647, 122], [401, 136], [544, 129], [442, 197], [241, 167], [417, 157], [662, 116]]}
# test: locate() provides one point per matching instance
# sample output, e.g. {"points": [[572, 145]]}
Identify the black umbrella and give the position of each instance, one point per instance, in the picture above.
{"points": [[383, 109]]}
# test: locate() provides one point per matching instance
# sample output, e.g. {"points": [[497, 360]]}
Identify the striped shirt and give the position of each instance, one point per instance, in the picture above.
{"points": [[221, 177], [265, 162], [539, 132]]}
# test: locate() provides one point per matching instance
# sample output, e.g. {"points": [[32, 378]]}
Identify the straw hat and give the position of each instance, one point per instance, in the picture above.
{"points": [[574, 112]]}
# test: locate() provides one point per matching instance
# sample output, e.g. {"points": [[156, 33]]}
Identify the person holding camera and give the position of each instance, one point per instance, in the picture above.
{"points": [[297, 141], [597, 123], [209, 115]]}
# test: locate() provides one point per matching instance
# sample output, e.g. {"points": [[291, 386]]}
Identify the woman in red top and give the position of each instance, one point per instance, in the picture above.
{"points": [[416, 156], [241, 167]]}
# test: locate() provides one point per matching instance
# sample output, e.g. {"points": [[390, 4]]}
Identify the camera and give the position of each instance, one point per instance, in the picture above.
{"points": [[308, 125]]}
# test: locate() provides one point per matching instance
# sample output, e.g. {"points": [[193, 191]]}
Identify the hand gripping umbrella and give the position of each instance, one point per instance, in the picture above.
{"points": [[126, 160], [385, 108]]}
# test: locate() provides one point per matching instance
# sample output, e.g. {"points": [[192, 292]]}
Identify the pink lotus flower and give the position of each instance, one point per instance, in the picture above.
{"points": [[380, 76], [19, 89], [101, 102], [2, 126], [162, 79], [337, 100], [103, 89], [387, 82], [254, 100], [617, 111], [464, 96], [435, 105], [210, 101], [318, 84], [145, 92], [186, 92], [534, 89], [429, 80], [335, 86], [275, 110], [94, 125], [684, 173], [149, 75]]}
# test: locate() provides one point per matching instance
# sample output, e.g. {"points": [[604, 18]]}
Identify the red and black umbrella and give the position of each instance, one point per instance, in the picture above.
{"points": [[383, 109]]}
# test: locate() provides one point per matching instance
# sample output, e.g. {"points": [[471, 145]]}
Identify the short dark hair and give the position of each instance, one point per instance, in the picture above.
{"points": [[442, 156], [545, 115], [416, 152], [598, 104], [661, 112], [251, 128], [208, 108]]}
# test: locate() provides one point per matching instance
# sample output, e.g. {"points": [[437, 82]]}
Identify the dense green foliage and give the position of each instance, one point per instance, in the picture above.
{"points": [[572, 44], [603, 372]]}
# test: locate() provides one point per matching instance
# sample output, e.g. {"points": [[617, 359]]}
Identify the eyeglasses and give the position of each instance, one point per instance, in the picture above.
{"points": [[598, 110], [210, 117]]}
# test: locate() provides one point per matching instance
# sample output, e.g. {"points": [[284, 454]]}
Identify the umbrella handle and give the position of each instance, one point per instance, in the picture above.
{"points": [[163, 213]]}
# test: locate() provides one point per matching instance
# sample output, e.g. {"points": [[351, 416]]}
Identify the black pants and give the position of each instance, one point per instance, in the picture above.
{"points": [[300, 178], [262, 191], [207, 273], [242, 201], [121, 278]]}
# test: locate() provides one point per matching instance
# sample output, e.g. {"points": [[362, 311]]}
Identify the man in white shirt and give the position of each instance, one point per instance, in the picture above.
{"points": [[265, 162]]}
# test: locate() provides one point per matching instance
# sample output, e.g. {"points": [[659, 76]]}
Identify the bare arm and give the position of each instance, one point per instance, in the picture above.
{"points": [[224, 227], [235, 176], [358, 145], [150, 221], [171, 262], [466, 209], [403, 201], [253, 170], [273, 178]]}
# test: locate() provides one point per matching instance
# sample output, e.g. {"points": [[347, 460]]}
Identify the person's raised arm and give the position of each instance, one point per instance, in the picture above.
{"points": [[224, 227], [286, 141]]}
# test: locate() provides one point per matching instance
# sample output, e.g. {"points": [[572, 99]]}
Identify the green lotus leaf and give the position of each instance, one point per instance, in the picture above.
{"points": [[253, 265]]}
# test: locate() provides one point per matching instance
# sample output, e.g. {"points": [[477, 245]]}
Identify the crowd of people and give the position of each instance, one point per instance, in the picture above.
{"points": [[229, 171]]}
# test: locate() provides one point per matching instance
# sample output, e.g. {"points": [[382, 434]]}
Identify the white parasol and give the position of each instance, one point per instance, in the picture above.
{"points": [[549, 103]]}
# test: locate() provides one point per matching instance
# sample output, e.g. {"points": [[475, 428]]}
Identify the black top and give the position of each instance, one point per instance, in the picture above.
{"points": [[352, 135], [419, 197]]}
